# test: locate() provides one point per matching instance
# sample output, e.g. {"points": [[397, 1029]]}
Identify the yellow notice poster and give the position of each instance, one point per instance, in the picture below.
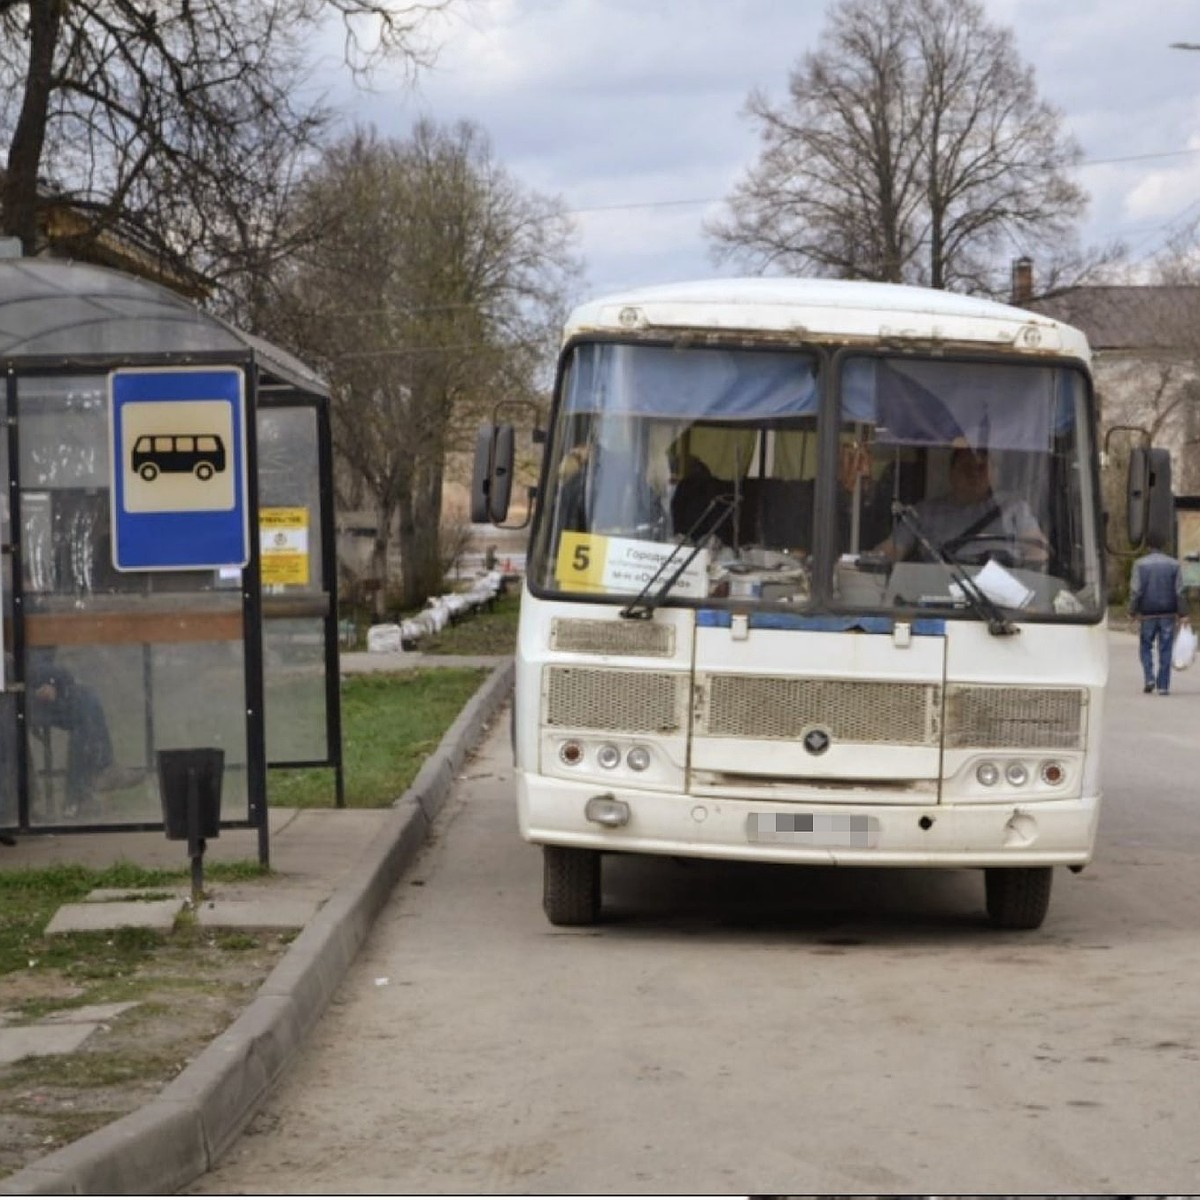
{"points": [[284, 545]]}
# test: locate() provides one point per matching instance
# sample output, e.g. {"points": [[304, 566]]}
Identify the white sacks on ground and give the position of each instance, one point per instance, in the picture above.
{"points": [[458, 605], [412, 630], [489, 587], [482, 592], [439, 612], [1184, 650], [383, 639]]}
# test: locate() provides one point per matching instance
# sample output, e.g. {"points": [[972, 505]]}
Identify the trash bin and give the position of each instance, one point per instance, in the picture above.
{"points": [[179, 771]]}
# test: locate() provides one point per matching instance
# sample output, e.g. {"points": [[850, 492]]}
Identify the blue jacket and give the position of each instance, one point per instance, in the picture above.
{"points": [[1156, 587]]}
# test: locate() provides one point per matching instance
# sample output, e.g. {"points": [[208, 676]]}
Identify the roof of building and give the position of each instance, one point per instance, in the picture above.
{"points": [[1129, 317]]}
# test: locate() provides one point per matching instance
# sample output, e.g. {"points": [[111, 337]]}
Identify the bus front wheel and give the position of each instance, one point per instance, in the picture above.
{"points": [[1017, 897], [571, 885]]}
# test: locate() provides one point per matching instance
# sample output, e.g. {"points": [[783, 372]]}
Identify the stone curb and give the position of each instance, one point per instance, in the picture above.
{"points": [[183, 1132]]}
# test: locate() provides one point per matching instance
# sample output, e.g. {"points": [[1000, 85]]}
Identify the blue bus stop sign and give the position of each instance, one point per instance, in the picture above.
{"points": [[177, 442]]}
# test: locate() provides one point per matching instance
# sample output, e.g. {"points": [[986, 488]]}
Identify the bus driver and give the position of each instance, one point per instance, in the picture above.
{"points": [[971, 521]]}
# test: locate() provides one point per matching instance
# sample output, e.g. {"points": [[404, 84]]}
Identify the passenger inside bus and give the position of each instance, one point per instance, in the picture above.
{"points": [[601, 490], [702, 506], [769, 506], [866, 489]]}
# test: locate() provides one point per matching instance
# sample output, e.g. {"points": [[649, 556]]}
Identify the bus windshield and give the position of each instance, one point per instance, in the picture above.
{"points": [[789, 479]]}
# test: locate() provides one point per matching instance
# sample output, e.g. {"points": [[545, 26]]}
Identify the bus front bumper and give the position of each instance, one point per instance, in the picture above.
{"points": [[1005, 833]]}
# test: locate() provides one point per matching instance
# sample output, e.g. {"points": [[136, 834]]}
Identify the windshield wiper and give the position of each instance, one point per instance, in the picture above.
{"points": [[641, 608], [987, 609]]}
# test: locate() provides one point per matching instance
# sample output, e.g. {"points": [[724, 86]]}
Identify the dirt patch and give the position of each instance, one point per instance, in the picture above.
{"points": [[46, 987], [187, 990]]}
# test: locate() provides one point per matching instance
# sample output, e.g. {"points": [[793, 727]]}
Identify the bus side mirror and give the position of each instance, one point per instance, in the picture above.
{"points": [[1151, 501], [491, 481]]}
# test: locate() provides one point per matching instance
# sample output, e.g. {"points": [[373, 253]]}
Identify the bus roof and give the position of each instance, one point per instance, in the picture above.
{"points": [[833, 309]]}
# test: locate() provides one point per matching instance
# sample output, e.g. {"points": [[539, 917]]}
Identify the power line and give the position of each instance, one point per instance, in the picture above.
{"points": [[644, 204], [1099, 162], [594, 208]]}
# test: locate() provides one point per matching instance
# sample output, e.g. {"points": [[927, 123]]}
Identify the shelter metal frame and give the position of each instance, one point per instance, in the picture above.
{"points": [[273, 381]]}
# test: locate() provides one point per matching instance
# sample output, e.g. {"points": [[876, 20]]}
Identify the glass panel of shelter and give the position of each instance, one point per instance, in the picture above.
{"points": [[296, 597], [9, 813], [118, 665]]}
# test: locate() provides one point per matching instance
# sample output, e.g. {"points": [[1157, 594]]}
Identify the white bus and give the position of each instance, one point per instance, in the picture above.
{"points": [[815, 576]]}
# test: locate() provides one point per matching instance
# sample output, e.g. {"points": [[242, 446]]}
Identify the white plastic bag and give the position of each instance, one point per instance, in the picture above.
{"points": [[1184, 650]]}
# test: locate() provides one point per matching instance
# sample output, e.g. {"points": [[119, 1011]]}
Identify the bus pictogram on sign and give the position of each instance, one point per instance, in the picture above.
{"points": [[202, 455]]}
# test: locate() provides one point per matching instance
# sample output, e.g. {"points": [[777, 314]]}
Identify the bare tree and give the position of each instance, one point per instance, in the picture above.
{"points": [[913, 147], [433, 293], [173, 125]]}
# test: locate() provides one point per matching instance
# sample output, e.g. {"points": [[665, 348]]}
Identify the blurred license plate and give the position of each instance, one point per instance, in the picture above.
{"points": [[842, 830]]}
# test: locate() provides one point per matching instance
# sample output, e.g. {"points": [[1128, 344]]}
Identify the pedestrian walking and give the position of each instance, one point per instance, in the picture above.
{"points": [[1158, 604]]}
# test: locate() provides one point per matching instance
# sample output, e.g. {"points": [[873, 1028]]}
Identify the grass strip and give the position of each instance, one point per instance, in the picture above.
{"points": [[390, 726]]}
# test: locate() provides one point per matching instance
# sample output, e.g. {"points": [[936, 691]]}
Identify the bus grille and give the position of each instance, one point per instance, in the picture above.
{"points": [[756, 706], [635, 638], [620, 701], [1026, 718]]}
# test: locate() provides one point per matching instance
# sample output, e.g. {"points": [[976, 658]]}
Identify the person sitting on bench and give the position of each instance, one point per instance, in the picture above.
{"points": [[59, 701]]}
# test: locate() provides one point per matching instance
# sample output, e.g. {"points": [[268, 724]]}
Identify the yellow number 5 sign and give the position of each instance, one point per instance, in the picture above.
{"points": [[580, 563]]}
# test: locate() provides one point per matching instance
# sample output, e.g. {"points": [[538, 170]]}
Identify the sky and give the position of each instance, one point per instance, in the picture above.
{"points": [[632, 111]]}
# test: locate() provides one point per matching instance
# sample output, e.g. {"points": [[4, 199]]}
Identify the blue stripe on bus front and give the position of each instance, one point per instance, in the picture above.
{"points": [[719, 618]]}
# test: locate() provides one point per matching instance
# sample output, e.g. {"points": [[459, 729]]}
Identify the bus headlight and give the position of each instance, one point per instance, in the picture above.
{"points": [[608, 756], [638, 758], [988, 774], [571, 753], [1017, 774]]}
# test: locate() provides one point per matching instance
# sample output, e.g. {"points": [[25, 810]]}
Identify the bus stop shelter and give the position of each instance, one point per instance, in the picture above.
{"points": [[169, 572]]}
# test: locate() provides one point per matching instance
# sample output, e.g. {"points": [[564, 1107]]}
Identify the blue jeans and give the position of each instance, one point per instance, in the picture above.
{"points": [[1161, 630]]}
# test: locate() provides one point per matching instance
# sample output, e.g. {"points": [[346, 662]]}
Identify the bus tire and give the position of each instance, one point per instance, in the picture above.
{"points": [[1017, 897], [570, 885]]}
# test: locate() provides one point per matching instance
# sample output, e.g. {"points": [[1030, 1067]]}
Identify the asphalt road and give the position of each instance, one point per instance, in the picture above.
{"points": [[738, 1029]]}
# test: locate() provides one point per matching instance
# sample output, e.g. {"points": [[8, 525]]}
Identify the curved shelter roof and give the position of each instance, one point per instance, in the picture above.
{"points": [[53, 311]]}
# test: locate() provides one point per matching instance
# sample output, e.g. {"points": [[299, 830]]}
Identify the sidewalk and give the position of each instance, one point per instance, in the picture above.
{"points": [[333, 871], [359, 662]]}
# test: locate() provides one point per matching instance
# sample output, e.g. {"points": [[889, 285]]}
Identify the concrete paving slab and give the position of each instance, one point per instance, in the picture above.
{"points": [[136, 914], [38, 1041], [88, 1014], [269, 912], [108, 895]]}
